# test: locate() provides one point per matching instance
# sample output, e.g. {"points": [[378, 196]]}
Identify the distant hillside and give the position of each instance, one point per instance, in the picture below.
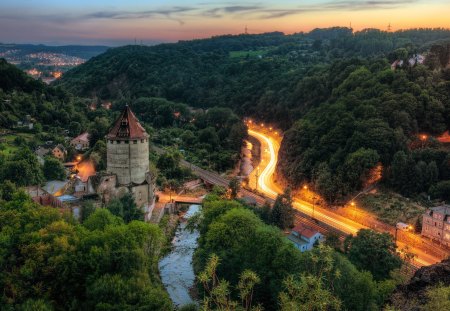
{"points": [[12, 78], [81, 51], [260, 75], [22, 96], [346, 110]]}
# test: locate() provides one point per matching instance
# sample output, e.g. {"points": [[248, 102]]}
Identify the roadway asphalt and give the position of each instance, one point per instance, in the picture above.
{"points": [[270, 145]]}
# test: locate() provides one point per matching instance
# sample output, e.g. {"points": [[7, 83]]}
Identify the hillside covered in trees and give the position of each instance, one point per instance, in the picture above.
{"points": [[270, 76], [346, 110]]}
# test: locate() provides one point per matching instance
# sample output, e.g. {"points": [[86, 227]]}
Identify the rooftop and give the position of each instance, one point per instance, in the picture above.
{"points": [[84, 137], [54, 186], [305, 231], [443, 209], [127, 126], [296, 240]]}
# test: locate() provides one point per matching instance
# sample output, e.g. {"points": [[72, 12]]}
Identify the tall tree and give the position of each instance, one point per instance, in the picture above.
{"points": [[282, 214], [374, 252], [53, 169]]}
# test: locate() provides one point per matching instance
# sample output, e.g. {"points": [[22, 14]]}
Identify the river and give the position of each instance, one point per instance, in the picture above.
{"points": [[176, 270]]}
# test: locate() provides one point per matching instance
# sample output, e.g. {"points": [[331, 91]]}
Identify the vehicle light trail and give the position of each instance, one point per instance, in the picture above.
{"points": [[266, 185], [266, 175]]}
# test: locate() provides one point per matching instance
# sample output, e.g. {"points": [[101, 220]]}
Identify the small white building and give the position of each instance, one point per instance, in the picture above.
{"points": [[304, 237]]}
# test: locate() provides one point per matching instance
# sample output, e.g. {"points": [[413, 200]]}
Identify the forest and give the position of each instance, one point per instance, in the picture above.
{"points": [[236, 246], [345, 110], [49, 261]]}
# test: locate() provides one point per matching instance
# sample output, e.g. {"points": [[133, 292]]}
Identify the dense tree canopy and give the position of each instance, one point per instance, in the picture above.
{"points": [[241, 241], [48, 262]]}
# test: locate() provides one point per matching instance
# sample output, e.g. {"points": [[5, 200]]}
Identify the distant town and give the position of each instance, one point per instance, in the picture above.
{"points": [[47, 62]]}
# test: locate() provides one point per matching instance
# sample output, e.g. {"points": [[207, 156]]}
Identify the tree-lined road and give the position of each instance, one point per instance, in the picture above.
{"points": [[270, 145]]}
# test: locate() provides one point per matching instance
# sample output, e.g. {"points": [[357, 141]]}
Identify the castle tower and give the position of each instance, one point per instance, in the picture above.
{"points": [[128, 150]]}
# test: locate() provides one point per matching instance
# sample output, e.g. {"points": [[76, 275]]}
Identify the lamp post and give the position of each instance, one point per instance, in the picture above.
{"points": [[423, 138], [395, 237], [313, 199], [257, 176]]}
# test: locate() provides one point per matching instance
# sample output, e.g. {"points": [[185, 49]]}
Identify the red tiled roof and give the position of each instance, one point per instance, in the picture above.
{"points": [[127, 126], [84, 137], [305, 231]]}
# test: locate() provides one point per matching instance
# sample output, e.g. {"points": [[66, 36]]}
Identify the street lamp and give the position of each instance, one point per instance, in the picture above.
{"points": [[313, 200], [257, 176], [423, 138]]}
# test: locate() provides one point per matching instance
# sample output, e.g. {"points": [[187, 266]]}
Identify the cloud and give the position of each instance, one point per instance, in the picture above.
{"points": [[344, 5], [255, 11], [173, 13]]}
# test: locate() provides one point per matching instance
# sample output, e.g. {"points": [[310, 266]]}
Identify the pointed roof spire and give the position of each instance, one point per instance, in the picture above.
{"points": [[127, 126]]}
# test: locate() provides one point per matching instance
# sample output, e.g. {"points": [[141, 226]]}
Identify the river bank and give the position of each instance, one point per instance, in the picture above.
{"points": [[176, 270]]}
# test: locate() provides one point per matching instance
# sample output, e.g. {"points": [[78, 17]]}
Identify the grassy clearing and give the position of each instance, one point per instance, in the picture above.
{"points": [[392, 208], [243, 54], [7, 144]]}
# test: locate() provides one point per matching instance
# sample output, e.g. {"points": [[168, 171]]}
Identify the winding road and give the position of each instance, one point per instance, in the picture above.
{"points": [[270, 145]]}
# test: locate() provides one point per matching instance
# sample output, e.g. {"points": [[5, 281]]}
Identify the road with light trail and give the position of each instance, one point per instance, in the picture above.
{"points": [[270, 145]]}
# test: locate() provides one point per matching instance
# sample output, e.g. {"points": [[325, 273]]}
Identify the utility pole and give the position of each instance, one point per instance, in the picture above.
{"points": [[395, 238], [246, 30], [257, 176], [389, 28]]}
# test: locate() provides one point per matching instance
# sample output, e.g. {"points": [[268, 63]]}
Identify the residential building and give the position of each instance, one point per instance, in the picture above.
{"points": [[59, 152], [81, 142], [304, 237], [41, 152], [436, 224]]}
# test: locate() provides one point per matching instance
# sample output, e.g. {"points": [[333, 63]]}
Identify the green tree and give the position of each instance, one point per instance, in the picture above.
{"points": [[23, 168], [53, 169], [87, 209], [7, 189], [282, 214], [374, 252], [218, 291], [307, 293], [234, 186], [438, 298], [126, 208]]}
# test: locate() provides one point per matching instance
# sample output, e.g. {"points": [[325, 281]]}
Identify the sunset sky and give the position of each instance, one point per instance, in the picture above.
{"points": [[114, 22]]}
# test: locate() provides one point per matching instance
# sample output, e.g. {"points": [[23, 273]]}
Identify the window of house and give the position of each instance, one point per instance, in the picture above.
{"points": [[126, 142], [142, 140]]}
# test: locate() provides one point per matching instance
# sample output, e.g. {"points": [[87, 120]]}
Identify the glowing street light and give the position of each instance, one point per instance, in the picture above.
{"points": [[352, 203]]}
